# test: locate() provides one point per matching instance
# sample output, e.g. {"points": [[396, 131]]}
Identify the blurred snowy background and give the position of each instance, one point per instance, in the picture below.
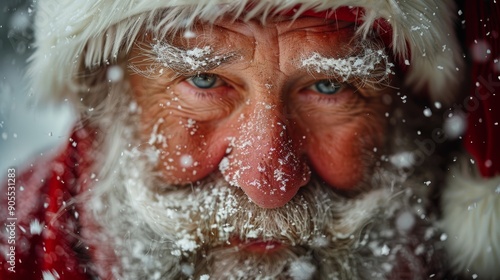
{"points": [[26, 129]]}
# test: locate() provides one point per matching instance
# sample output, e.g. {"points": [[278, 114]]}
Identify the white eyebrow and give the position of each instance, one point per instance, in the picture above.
{"points": [[368, 65], [191, 60]]}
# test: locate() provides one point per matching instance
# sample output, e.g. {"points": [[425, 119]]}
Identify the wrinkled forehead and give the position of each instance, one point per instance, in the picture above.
{"points": [[266, 15], [215, 30], [286, 29]]}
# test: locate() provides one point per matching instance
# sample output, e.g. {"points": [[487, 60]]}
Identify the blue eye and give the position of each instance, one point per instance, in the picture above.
{"points": [[326, 87], [204, 80]]}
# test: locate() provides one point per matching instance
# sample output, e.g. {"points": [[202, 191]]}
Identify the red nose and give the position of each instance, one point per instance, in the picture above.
{"points": [[264, 160]]}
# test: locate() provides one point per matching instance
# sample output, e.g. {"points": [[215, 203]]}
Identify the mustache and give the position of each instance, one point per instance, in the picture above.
{"points": [[212, 212]]}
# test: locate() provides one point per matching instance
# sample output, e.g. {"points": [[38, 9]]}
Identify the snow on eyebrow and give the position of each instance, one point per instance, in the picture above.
{"points": [[197, 59], [369, 65]]}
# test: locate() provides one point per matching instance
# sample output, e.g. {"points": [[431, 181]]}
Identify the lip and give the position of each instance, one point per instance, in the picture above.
{"points": [[257, 246]]}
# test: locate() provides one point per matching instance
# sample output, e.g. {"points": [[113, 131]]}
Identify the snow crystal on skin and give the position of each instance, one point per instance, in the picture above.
{"points": [[280, 176], [204, 277], [253, 132], [191, 126], [361, 66], [186, 161], [224, 165], [156, 137]]}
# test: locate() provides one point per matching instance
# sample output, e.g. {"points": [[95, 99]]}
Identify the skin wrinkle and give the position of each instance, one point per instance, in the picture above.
{"points": [[330, 132]]}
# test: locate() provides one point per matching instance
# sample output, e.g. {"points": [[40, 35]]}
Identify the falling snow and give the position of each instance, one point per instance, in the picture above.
{"points": [[302, 269], [36, 227], [405, 221], [188, 34], [48, 275], [427, 112], [403, 159], [455, 126], [480, 51], [115, 74]]}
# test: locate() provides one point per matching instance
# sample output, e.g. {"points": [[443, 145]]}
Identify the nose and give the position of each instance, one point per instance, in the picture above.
{"points": [[265, 159]]}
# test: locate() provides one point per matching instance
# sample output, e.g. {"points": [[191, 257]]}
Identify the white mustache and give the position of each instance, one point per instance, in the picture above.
{"points": [[211, 213]]}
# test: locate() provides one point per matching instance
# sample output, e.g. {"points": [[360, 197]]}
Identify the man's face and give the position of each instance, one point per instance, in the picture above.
{"points": [[258, 156], [267, 105]]}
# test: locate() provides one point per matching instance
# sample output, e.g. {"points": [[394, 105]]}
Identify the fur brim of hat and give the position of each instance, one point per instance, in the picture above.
{"points": [[471, 219], [73, 35]]}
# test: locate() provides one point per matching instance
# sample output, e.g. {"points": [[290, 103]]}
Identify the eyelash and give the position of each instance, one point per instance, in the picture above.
{"points": [[345, 88], [346, 91], [205, 94]]}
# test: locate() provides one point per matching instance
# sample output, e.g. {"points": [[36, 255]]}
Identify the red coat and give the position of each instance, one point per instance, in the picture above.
{"points": [[43, 237]]}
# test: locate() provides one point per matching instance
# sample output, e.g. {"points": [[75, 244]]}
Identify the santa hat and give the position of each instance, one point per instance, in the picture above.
{"points": [[72, 36]]}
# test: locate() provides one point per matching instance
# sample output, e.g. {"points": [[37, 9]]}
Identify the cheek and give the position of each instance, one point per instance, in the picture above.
{"points": [[187, 153], [187, 149], [342, 157]]}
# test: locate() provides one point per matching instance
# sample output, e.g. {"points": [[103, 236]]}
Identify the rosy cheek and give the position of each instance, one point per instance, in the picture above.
{"points": [[188, 157], [341, 158], [337, 163]]}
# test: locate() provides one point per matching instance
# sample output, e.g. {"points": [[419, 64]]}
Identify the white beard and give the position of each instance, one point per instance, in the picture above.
{"points": [[158, 231], [166, 232]]}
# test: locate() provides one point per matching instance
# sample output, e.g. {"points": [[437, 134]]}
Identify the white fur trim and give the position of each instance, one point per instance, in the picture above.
{"points": [[471, 219], [71, 35]]}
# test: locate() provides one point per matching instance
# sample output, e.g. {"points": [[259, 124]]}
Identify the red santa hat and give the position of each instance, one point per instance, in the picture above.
{"points": [[72, 36]]}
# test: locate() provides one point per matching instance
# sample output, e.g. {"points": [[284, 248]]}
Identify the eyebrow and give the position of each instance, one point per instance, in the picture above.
{"points": [[190, 61], [369, 65]]}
